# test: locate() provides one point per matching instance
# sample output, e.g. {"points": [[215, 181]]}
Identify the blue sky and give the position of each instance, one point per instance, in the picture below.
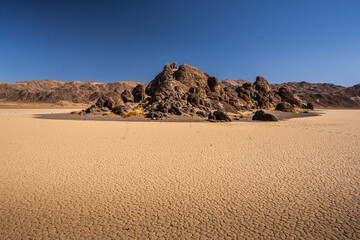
{"points": [[108, 41]]}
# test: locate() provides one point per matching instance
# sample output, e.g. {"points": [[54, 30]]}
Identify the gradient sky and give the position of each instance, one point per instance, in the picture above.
{"points": [[109, 41]]}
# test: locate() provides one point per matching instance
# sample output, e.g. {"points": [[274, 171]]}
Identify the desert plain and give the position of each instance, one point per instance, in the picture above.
{"points": [[292, 179]]}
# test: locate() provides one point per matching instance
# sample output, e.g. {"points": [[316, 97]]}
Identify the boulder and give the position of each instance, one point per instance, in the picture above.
{"points": [[310, 106], [190, 76], [201, 114], [287, 96], [262, 116], [121, 109], [110, 100], [219, 116], [91, 109], [213, 84], [139, 93], [193, 99], [175, 110], [262, 85], [155, 115], [285, 107]]}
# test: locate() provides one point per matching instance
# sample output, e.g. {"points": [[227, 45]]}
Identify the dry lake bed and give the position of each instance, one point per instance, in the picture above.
{"points": [[293, 179]]}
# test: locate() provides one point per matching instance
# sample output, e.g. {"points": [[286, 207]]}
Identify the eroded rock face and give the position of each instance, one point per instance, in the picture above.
{"points": [[262, 116]]}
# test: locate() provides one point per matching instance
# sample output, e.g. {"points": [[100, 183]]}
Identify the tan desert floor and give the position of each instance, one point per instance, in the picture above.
{"points": [[298, 178]]}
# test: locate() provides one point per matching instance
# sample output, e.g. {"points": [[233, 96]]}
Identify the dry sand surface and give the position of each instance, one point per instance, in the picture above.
{"points": [[79, 179]]}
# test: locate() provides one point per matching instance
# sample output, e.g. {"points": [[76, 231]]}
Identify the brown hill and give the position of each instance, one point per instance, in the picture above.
{"points": [[325, 94], [345, 98], [52, 91], [320, 94], [232, 84], [305, 87]]}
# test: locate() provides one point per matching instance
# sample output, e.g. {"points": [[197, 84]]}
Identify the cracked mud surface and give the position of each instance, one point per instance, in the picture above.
{"points": [[297, 179]]}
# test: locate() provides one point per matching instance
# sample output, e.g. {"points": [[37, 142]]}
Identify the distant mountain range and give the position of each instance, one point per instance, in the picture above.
{"points": [[320, 94], [52, 91]]}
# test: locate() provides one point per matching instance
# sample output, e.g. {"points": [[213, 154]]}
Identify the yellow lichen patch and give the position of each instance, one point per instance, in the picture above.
{"points": [[243, 113], [133, 113], [76, 112], [272, 108], [298, 110], [107, 113]]}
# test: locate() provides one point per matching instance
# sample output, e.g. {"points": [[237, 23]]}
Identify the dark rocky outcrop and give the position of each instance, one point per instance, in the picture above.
{"points": [[284, 107], [262, 116], [187, 90]]}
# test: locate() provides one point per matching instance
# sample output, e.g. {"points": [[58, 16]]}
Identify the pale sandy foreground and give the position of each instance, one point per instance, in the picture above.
{"points": [[292, 179]]}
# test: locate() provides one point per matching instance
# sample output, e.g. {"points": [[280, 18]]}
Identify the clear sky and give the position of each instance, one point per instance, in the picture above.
{"points": [[109, 41]]}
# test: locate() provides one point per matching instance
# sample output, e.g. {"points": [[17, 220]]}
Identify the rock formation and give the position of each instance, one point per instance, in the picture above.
{"points": [[262, 116], [285, 107], [231, 95], [187, 91], [287, 96], [219, 116]]}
